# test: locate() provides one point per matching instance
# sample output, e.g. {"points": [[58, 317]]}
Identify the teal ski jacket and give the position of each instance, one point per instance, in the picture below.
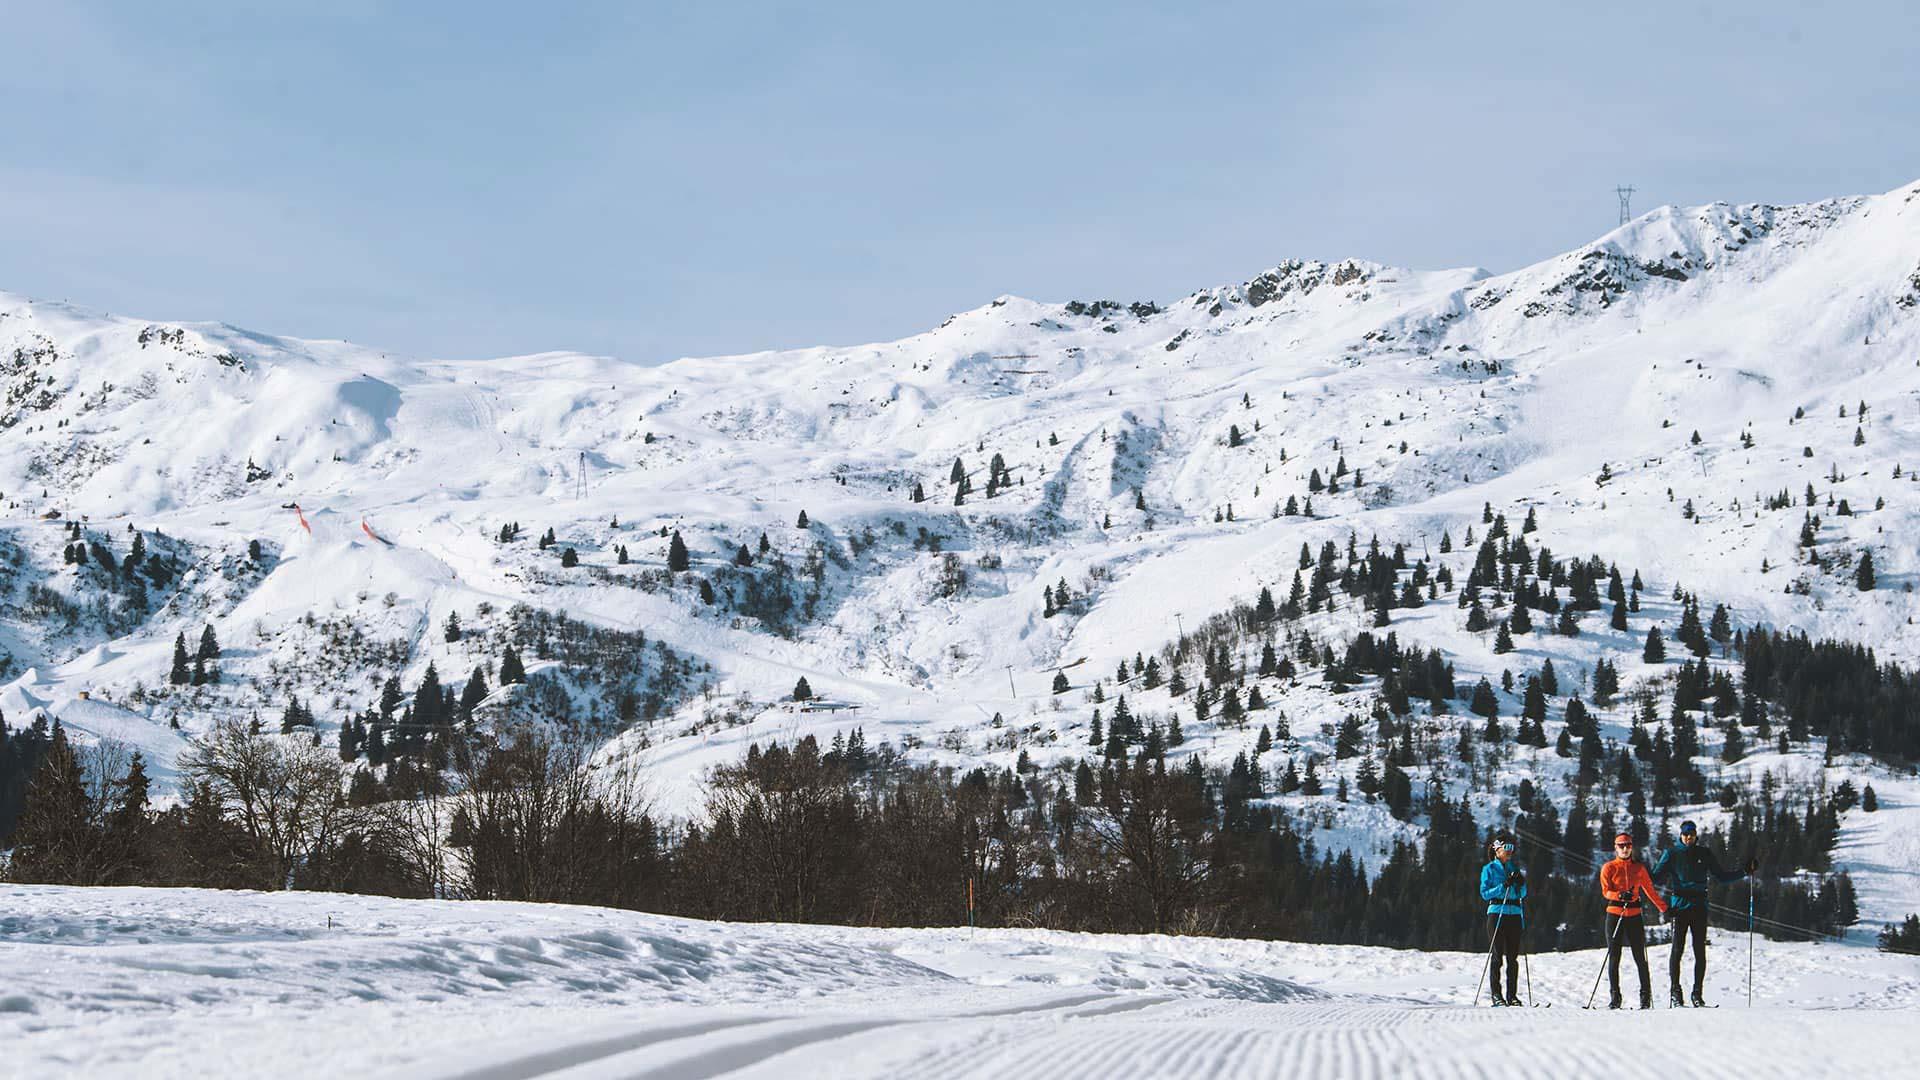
{"points": [[1494, 889], [1686, 871]]}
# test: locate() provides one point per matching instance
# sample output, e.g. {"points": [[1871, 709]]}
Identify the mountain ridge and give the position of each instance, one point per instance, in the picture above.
{"points": [[1148, 454]]}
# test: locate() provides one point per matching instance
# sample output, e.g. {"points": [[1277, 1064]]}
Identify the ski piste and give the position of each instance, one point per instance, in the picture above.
{"points": [[572, 985]]}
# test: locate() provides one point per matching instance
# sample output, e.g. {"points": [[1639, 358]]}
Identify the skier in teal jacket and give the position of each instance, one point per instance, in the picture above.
{"points": [[1685, 872], [1503, 885]]}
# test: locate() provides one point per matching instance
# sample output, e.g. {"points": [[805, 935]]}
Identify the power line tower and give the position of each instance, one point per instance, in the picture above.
{"points": [[580, 478], [1626, 199]]}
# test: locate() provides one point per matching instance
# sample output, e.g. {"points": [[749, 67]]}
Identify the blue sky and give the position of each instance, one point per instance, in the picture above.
{"points": [[654, 180]]}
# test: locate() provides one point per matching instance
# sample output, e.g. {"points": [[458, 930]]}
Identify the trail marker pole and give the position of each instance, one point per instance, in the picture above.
{"points": [[969, 907], [1749, 941]]}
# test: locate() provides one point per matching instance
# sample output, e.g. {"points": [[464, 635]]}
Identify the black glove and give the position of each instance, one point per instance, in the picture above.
{"points": [[1518, 877], [1752, 865]]}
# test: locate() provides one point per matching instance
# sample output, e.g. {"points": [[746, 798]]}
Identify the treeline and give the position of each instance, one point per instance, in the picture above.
{"points": [[1836, 689], [20, 753], [847, 834]]}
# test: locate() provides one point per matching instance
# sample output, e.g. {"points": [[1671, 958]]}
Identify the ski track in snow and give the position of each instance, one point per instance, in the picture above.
{"points": [[156, 983]]}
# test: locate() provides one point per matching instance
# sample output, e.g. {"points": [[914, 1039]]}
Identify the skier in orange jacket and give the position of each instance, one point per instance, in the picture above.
{"points": [[1623, 881]]}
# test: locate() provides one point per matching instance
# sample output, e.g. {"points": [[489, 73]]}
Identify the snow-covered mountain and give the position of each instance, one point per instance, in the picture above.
{"points": [[327, 507]]}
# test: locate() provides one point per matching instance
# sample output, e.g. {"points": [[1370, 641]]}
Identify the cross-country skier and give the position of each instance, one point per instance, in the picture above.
{"points": [[1685, 872], [1503, 885], [1623, 880]]}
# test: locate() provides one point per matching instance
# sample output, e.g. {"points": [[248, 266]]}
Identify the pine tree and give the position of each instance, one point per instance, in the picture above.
{"points": [[1520, 620], [1263, 608], [1735, 747], [1484, 703], [1534, 701], [1656, 649], [1367, 778], [742, 557], [1477, 619], [1721, 627], [801, 691], [677, 559], [1503, 641], [55, 840], [801, 522], [474, 692], [209, 645], [512, 671], [1060, 684], [452, 633], [1863, 574], [182, 673], [1347, 738]]}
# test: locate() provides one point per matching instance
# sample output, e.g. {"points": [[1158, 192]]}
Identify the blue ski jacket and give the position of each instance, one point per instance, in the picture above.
{"points": [[1495, 890], [1686, 871]]}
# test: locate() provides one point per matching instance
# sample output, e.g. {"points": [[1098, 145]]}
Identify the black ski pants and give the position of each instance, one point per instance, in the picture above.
{"points": [[1503, 933], [1690, 921], [1628, 931]]}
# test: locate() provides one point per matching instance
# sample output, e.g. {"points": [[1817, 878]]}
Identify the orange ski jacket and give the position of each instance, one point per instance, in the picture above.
{"points": [[1623, 881]]}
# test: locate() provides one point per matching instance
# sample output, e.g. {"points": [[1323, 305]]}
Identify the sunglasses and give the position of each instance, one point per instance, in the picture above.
{"points": [[1623, 847]]}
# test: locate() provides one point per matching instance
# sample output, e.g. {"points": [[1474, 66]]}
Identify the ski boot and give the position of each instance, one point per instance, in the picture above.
{"points": [[1613, 1002], [1698, 1001], [1674, 1000], [1513, 1001], [1646, 999]]}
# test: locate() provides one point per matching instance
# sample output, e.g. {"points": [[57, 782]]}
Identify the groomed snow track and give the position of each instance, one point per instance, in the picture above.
{"points": [[1111, 1035]]}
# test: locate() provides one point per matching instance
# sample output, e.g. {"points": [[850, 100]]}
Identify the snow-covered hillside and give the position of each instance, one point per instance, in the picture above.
{"points": [[326, 508], [164, 982]]}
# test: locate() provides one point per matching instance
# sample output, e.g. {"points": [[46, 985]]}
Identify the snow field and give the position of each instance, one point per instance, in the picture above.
{"points": [[159, 983]]}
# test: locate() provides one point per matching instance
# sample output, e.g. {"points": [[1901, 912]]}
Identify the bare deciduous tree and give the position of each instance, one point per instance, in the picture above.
{"points": [[285, 793]]}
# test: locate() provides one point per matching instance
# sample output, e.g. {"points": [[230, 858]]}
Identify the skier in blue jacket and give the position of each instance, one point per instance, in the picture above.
{"points": [[1685, 872], [1503, 885]]}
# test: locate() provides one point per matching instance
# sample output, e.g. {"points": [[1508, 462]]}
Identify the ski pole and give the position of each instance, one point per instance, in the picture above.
{"points": [[1620, 920], [1749, 941], [1526, 954], [1493, 944]]}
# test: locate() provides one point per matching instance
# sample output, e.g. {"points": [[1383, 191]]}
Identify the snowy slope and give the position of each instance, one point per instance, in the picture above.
{"points": [[1446, 389], [164, 983]]}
